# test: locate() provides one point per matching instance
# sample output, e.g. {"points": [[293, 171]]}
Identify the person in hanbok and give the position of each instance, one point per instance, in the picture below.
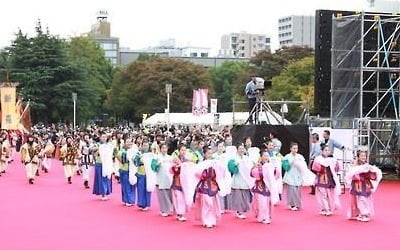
{"points": [[8, 147], [103, 156], [48, 150], [118, 143], [247, 145], [161, 165], [3, 156], [39, 140], [143, 195], [207, 203], [86, 158], [297, 174], [220, 153], [363, 180], [276, 159], [137, 143], [327, 182], [178, 197], [69, 153], [265, 193], [221, 158], [273, 136], [315, 150], [240, 168], [30, 157], [127, 189]]}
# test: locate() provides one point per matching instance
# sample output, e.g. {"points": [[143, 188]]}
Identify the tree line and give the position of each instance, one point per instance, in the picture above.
{"points": [[49, 69]]}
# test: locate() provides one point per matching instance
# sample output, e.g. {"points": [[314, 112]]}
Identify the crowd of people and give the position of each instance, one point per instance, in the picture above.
{"points": [[195, 168]]}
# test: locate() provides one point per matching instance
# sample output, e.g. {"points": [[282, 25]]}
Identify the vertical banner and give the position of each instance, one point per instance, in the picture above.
{"points": [[213, 106], [9, 117], [200, 102], [194, 102]]}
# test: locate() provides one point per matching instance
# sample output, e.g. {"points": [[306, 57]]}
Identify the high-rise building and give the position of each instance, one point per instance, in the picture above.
{"points": [[243, 45], [101, 33], [296, 30]]}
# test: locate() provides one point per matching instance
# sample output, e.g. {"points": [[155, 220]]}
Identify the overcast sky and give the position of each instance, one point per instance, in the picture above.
{"points": [[141, 24]]}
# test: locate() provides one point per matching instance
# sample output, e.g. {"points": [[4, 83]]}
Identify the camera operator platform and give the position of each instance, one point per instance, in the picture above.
{"points": [[255, 91]]}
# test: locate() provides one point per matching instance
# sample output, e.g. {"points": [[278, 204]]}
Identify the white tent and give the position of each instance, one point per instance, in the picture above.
{"points": [[224, 118]]}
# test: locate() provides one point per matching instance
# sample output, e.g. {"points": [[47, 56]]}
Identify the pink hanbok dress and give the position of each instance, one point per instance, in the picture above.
{"points": [[207, 203], [261, 203]]}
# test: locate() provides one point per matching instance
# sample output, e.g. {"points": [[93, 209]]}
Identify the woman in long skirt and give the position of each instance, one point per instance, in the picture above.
{"points": [[207, 202], [363, 179], [327, 186], [178, 197], [161, 165], [294, 163], [103, 154], [127, 189], [221, 158], [265, 193], [240, 168], [143, 195]]}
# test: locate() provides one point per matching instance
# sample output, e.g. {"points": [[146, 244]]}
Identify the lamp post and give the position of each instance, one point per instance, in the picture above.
{"points": [[168, 90], [74, 97]]}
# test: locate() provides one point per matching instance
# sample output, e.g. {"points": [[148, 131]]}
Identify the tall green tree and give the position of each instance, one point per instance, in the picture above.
{"points": [[39, 63], [140, 88], [225, 80], [295, 83], [4, 65], [268, 65], [49, 75], [98, 71]]}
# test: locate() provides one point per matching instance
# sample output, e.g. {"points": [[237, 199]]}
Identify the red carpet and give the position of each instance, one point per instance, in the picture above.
{"points": [[54, 215]]}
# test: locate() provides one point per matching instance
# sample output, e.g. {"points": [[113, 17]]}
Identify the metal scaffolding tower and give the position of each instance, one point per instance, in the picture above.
{"points": [[365, 79]]}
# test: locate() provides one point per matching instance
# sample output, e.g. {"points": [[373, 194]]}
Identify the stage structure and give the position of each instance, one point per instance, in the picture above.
{"points": [[365, 81]]}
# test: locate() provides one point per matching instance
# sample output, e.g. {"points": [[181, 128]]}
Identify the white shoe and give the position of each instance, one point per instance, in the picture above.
{"points": [[182, 218], [145, 209], [208, 226], [104, 198], [128, 204], [240, 216], [164, 214], [328, 213], [323, 213], [364, 219], [222, 212], [294, 208], [266, 221]]}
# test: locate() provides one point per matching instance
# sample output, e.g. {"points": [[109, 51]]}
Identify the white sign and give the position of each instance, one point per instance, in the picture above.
{"points": [[168, 88], [214, 104]]}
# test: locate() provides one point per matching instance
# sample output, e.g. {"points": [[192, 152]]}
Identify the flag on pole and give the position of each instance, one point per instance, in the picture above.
{"points": [[200, 102], [9, 116], [25, 122]]}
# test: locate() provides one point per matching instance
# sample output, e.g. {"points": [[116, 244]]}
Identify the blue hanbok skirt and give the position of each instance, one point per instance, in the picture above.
{"points": [[102, 185], [128, 191]]}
